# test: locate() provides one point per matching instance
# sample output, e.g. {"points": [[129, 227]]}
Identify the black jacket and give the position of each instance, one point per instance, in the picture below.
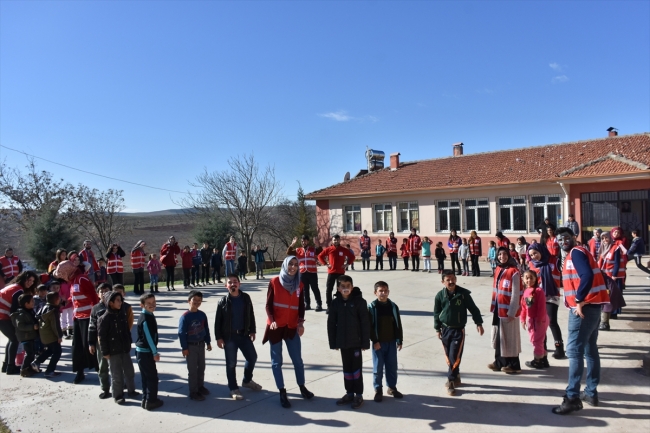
{"points": [[216, 261], [223, 319], [113, 332], [206, 255], [97, 312], [348, 324]]}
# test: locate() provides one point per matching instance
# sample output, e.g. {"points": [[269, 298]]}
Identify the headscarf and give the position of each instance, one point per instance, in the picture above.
{"points": [[604, 249], [66, 270], [545, 271], [511, 261], [290, 283], [621, 239]]}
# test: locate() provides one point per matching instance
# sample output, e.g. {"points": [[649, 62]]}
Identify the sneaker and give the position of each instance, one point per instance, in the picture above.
{"points": [[457, 381], [35, 367], [545, 363], [151, 405], [143, 405], [52, 374], [319, 308], [133, 394], [196, 396], [346, 399], [379, 395], [509, 370], [120, 401], [568, 405], [106, 394], [358, 402], [394, 392], [493, 367], [535, 363], [203, 390], [79, 378], [26, 372], [451, 390], [236, 394], [591, 401], [307, 307], [306, 394], [252, 385]]}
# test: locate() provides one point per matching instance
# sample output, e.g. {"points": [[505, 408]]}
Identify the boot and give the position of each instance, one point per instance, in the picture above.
{"points": [[559, 350], [4, 367], [284, 400], [545, 363], [604, 321], [151, 289], [156, 288]]}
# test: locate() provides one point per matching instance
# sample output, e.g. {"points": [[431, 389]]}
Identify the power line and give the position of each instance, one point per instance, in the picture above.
{"points": [[94, 174]]}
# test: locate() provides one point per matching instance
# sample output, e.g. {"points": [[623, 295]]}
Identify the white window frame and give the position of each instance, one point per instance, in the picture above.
{"points": [[533, 226], [512, 206], [475, 208], [352, 209], [388, 207], [449, 207], [411, 205]]}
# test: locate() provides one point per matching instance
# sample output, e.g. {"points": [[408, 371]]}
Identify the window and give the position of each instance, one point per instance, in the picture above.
{"points": [[448, 215], [409, 216], [477, 215], [512, 214], [352, 215], [546, 206], [383, 221]]}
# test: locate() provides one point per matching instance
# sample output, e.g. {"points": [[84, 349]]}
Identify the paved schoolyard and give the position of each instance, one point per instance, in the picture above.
{"points": [[487, 401]]}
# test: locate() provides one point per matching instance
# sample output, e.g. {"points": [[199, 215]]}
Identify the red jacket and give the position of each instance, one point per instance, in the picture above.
{"points": [[335, 259], [404, 249], [83, 296], [187, 259], [168, 254]]}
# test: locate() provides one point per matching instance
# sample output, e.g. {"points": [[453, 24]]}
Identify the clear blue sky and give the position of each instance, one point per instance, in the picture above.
{"points": [[153, 92]]}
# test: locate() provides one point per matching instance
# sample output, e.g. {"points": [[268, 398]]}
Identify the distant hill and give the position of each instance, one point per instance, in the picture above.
{"points": [[158, 213]]}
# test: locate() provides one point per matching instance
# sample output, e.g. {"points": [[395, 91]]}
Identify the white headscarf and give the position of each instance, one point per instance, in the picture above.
{"points": [[290, 283]]}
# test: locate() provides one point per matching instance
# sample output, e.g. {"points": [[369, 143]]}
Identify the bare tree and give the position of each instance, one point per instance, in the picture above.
{"points": [[99, 216]]}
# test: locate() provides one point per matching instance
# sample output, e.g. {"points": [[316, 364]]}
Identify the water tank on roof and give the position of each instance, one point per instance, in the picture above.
{"points": [[375, 159]]}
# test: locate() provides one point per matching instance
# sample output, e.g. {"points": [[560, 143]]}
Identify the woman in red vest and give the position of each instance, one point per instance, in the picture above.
{"points": [[168, 253], [114, 265], [285, 310], [506, 293], [613, 263], [453, 243], [391, 251]]}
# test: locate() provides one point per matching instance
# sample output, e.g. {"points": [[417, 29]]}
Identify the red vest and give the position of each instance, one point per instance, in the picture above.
{"points": [[505, 242], [453, 245], [415, 245], [502, 290], [285, 305], [607, 262], [307, 259], [405, 250], [391, 247], [231, 251], [592, 248], [114, 264], [552, 246], [557, 277], [6, 296], [364, 242], [138, 258], [571, 281], [9, 266], [83, 297], [89, 256], [475, 246]]}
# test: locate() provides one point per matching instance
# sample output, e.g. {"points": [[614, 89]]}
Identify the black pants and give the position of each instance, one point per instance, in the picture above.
{"points": [[8, 330], [392, 261], [329, 287], [53, 350], [416, 262], [453, 341], [148, 374], [476, 270], [551, 311], [29, 354], [138, 282], [196, 271], [205, 273], [216, 273], [365, 262], [170, 276], [637, 261], [186, 276], [117, 278], [441, 264], [310, 280], [352, 374], [406, 263], [81, 357], [454, 262], [499, 360], [379, 263]]}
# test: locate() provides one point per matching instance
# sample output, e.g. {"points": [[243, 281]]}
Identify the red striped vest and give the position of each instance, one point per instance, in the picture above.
{"points": [[5, 300], [83, 297], [505, 242], [285, 305], [453, 245], [364, 242], [9, 266], [138, 258], [502, 291], [306, 259], [552, 246], [607, 262], [231, 251], [415, 245], [571, 281], [475, 246], [114, 264], [557, 277], [391, 246]]}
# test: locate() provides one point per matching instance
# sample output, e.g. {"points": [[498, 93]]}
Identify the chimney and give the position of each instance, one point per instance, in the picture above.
{"points": [[458, 149], [613, 132], [394, 161]]}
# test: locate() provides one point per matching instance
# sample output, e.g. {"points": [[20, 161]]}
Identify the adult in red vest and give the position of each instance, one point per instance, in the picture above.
{"points": [[475, 251], [594, 243], [584, 293], [415, 246], [230, 255], [168, 253], [453, 243], [114, 265], [551, 242], [24, 282], [11, 265], [502, 241], [138, 263], [84, 298], [549, 279], [506, 294], [364, 246], [619, 237], [613, 262], [88, 256], [334, 258], [285, 317], [306, 256], [391, 251]]}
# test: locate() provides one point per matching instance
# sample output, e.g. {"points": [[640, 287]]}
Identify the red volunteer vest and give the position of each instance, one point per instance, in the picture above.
{"points": [[138, 258], [415, 245], [83, 297], [306, 259], [9, 266], [114, 264], [571, 281], [557, 277], [391, 247], [453, 245], [90, 258], [5, 300], [364, 242], [505, 242], [231, 251], [552, 246], [285, 305], [607, 263], [502, 291], [475, 246]]}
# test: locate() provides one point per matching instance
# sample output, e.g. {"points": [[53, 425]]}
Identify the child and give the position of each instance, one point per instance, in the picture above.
{"points": [[115, 341], [98, 311], [404, 251], [51, 334], [440, 257], [146, 352], [637, 250], [67, 311], [426, 254], [194, 336], [216, 262], [513, 252], [351, 264], [101, 276], [348, 330], [153, 266], [234, 329], [449, 320], [521, 247], [40, 299], [24, 321], [242, 265], [492, 256], [386, 335], [186, 258], [379, 253], [126, 307], [534, 318], [463, 253]]}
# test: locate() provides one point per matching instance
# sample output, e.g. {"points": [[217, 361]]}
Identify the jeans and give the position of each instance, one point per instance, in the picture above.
{"points": [[582, 343], [259, 269], [153, 280], [53, 350], [294, 349], [365, 262], [465, 266], [29, 354], [386, 356], [138, 282], [427, 263], [196, 271], [149, 375], [230, 267], [240, 342], [392, 261]]}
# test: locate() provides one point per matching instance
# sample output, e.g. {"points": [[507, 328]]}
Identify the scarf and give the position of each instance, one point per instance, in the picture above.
{"points": [[511, 261], [545, 271], [604, 248], [290, 283], [66, 270]]}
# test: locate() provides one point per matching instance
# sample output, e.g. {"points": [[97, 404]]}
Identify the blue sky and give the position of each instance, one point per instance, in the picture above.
{"points": [[153, 92]]}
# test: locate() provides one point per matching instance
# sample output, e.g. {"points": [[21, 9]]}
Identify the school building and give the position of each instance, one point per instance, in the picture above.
{"points": [[603, 182]]}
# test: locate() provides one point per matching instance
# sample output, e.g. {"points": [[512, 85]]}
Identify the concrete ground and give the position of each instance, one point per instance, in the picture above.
{"points": [[487, 400]]}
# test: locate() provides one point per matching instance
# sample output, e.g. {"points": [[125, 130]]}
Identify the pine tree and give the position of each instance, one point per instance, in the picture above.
{"points": [[305, 224], [214, 230], [45, 234]]}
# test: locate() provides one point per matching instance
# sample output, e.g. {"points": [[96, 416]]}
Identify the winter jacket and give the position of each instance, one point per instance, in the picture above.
{"points": [[168, 254], [372, 311], [147, 341], [492, 253], [242, 264], [24, 321], [426, 248], [216, 261], [186, 258], [259, 255], [380, 250], [97, 312], [206, 255], [440, 253], [463, 251], [452, 313], [336, 259], [196, 257], [49, 324], [223, 318], [348, 324], [637, 248], [153, 266], [113, 332]]}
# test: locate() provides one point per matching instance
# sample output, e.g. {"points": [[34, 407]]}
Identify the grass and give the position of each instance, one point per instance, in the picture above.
{"points": [[3, 427]]}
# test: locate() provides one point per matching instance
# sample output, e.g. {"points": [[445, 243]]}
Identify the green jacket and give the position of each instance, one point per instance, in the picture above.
{"points": [[24, 322], [372, 310], [452, 313], [49, 324]]}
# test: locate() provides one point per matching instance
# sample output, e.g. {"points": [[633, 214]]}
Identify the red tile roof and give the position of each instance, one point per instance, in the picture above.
{"points": [[606, 156]]}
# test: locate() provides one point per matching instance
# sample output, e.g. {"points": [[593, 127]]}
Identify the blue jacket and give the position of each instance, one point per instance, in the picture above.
{"points": [[637, 248]]}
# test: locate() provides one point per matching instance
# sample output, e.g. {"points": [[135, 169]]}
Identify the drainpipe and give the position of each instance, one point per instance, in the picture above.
{"points": [[566, 202]]}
